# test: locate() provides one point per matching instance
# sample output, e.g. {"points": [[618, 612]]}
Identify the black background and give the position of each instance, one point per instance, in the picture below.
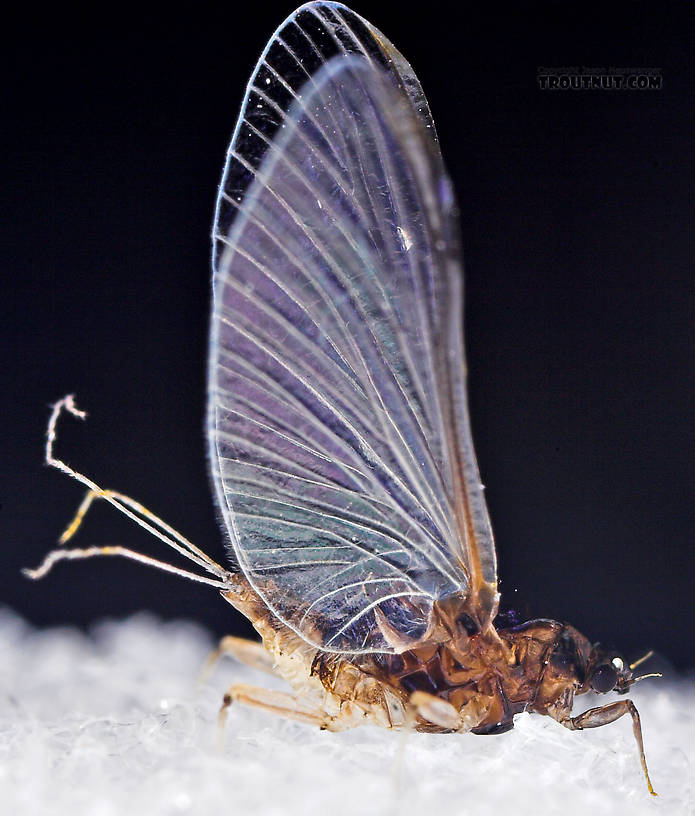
{"points": [[577, 217]]}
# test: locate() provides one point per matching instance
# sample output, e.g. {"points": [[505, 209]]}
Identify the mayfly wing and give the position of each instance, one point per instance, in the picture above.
{"points": [[338, 425]]}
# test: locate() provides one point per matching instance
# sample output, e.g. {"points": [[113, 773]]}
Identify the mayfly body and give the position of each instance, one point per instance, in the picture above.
{"points": [[339, 440]]}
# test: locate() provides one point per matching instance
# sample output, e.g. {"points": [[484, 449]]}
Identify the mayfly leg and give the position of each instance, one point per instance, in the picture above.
{"points": [[602, 715], [406, 728], [397, 775], [281, 703], [436, 710], [130, 508], [249, 652]]}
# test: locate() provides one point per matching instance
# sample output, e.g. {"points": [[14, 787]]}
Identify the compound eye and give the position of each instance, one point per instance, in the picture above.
{"points": [[604, 678]]}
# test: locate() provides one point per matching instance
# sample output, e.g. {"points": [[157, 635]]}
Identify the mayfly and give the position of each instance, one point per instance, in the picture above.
{"points": [[338, 425]]}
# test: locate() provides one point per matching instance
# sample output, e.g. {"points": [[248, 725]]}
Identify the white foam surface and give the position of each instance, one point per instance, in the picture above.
{"points": [[114, 723]]}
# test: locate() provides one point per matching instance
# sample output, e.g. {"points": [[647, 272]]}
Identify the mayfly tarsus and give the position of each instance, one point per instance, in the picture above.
{"points": [[338, 425]]}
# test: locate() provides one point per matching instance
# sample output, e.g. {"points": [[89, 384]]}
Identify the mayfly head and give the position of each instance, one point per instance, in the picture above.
{"points": [[608, 671], [574, 662], [559, 662]]}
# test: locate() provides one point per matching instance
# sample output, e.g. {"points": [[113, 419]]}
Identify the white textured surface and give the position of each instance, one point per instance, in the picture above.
{"points": [[114, 724]]}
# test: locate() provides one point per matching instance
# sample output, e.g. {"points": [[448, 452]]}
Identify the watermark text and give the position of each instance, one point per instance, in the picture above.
{"points": [[583, 78]]}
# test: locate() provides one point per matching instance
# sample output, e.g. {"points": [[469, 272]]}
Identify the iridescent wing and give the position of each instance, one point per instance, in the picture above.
{"points": [[338, 425]]}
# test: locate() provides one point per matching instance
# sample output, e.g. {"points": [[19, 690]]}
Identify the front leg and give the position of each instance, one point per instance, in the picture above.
{"points": [[602, 715]]}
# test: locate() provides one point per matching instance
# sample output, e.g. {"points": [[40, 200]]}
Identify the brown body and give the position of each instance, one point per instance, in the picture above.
{"points": [[462, 675], [483, 678]]}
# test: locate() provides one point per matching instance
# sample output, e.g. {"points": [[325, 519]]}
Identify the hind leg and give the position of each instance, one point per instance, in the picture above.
{"points": [[249, 652], [281, 703]]}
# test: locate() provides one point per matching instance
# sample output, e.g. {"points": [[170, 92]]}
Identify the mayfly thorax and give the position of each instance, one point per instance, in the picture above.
{"points": [[340, 446]]}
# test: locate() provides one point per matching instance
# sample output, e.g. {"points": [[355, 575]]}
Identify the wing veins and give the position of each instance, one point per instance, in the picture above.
{"points": [[230, 313], [297, 263], [396, 327], [354, 545], [376, 525], [363, 444], [361, 584], [299, 565], [442, 524], [371, 606]]}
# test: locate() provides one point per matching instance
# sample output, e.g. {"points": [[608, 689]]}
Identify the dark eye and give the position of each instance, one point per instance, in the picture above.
{"points": [[604, 678]]}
